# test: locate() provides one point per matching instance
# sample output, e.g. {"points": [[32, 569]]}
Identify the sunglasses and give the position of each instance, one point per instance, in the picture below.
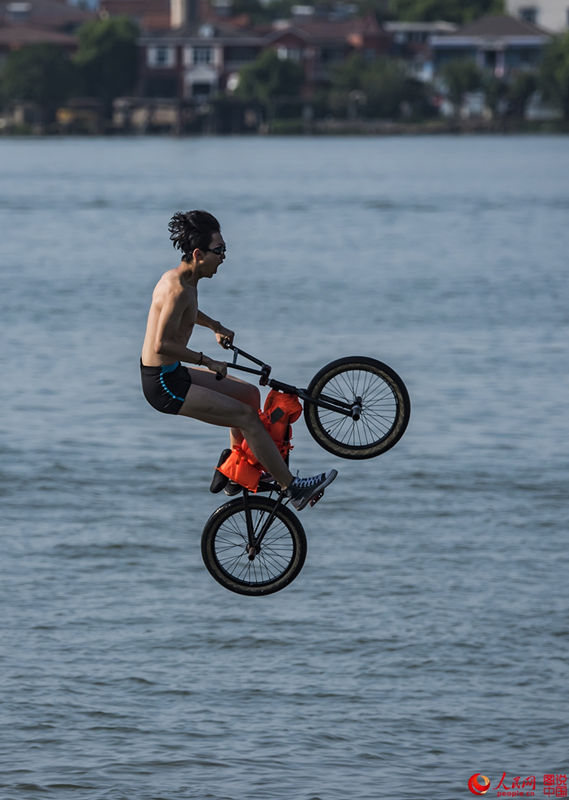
{"points": [[220, 250]]}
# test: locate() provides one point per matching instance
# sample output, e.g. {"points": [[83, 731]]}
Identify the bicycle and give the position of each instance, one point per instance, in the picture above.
{"points": [[354, 407]]}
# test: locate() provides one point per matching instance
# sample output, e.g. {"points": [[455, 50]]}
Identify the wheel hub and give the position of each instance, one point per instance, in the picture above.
{"points": [[252, 551], [357, 408]]}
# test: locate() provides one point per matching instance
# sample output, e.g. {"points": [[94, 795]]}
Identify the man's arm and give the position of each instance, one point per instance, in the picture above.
{"points": [[221, 332], [207, 322], [166, 343]]}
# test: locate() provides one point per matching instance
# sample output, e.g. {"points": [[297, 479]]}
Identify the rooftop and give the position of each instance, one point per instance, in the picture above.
{"points": [[53, 14], [501, 25], [149, 14], [16, 36], [441, 26]]}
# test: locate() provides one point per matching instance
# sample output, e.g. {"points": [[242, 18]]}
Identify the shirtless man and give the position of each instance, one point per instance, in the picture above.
{"points": [[197, 393]]}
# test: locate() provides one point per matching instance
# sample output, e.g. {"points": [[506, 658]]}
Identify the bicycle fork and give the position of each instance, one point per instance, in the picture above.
{"points": [[254, 541]]}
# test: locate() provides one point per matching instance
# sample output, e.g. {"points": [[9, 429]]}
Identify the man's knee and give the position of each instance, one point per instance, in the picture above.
{"points": [[255, 397], [249, 418]]}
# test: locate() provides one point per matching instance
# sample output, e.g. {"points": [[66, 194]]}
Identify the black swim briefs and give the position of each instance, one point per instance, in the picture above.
{"points": [[165, 387]]}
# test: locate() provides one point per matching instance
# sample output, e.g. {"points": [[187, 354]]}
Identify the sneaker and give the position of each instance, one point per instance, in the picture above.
{"points": [[232, 488], [219, 481], [302, 490]]}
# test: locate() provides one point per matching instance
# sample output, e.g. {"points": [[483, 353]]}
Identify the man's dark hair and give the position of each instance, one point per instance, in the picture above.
{"points": [[192, 229]]}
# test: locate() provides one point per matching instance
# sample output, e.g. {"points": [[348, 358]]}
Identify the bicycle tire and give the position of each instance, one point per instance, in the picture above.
{"points": [[386, 407], [224, 547]]}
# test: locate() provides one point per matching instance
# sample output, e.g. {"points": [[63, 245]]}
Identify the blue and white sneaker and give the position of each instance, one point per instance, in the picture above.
{"points": [[303, 490]]}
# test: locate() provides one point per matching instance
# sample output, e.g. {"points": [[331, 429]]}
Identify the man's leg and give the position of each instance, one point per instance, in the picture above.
{"points": [[232, 387], [217, 408]]}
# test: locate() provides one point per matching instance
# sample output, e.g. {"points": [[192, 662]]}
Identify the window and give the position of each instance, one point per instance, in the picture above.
{"points": [[161, 56], [529, 14], [203, 55], [289, 53], [18, 12]]}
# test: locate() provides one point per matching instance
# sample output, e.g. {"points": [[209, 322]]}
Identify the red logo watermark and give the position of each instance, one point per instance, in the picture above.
{"points": [[554, 785], [479, 784]]}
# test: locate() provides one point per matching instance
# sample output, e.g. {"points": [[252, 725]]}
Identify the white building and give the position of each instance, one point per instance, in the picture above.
{"points": [[550, 14]]}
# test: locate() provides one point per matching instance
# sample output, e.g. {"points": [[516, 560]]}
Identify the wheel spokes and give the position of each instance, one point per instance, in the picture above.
{"points": [[232, 549], [379, 408]]}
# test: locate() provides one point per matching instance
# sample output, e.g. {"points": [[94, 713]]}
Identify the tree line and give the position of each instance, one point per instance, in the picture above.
{"points": [[458, 11], [105, 66], [384, 89]]}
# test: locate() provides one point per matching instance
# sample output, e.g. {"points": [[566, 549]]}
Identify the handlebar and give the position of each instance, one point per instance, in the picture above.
{"points": [[263, 372]]}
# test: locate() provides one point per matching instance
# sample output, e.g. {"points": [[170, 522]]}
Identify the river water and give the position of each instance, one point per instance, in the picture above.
{"points": [[426, 638]]}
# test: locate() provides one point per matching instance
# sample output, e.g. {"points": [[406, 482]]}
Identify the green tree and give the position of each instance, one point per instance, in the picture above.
{"points": [[108, 58], [520, 91], [460, 76], [377, 89], [271, 81], [554, 74], [496, 92], [259, 12], [459, 11], [41, 74]]}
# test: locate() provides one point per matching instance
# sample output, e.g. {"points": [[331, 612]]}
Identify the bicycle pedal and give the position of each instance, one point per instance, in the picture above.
{"points": [[317, 497]]}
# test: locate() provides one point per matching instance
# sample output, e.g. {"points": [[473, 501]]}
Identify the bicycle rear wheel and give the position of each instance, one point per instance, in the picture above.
{"points": [[373, 386], [278, 558]]}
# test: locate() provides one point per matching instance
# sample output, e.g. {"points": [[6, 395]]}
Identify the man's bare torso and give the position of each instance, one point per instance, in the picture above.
{"points": [[180, 302]]}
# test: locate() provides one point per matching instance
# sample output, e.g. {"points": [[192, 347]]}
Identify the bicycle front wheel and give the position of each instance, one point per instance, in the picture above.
{"points": [[276, 560], [381, 398]]}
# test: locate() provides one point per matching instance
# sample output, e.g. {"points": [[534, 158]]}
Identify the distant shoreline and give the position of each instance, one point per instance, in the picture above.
{"points": [[438, 127], [331, 127]]}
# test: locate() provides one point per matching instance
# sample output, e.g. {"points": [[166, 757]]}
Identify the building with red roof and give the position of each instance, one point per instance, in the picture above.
{"points": [[200, 54], [24, 22]]}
